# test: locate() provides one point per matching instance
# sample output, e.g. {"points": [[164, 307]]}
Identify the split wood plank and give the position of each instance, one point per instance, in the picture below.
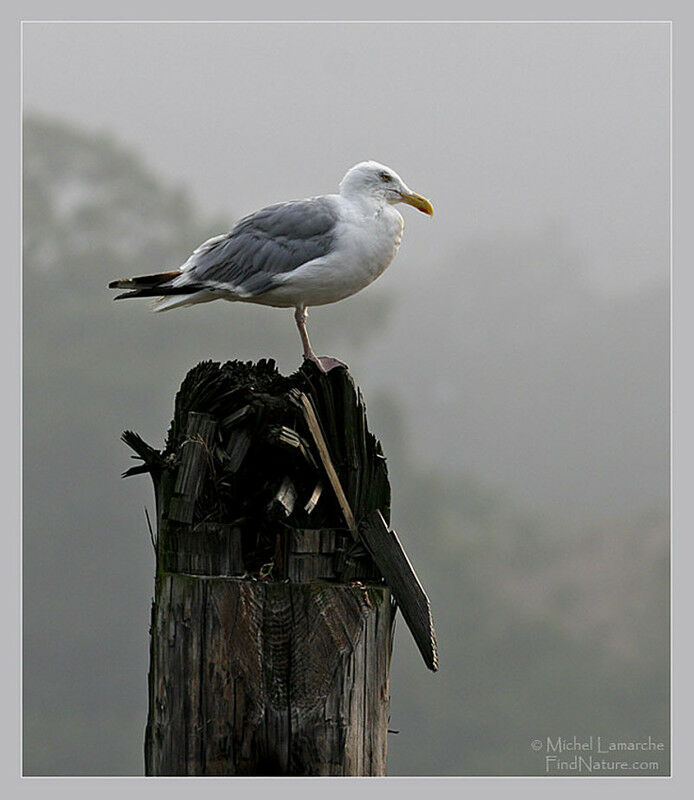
{"points": [[195, 459], [317, 434], [385, 549]]}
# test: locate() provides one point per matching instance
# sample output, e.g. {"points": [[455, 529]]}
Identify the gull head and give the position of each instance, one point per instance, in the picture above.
{"points": [[369, 179]]}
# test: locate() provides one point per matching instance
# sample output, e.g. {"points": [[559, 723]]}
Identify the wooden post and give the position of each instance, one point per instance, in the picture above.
{"points": [[272, 625]]}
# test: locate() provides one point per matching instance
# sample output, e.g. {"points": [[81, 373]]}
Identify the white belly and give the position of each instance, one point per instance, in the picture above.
{"points": [[363, 249]]}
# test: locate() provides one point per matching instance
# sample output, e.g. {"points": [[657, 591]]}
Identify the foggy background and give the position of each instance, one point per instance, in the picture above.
{"points": [[514, 358]]}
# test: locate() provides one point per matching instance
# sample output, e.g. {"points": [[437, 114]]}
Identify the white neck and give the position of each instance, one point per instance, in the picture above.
{"points": [[367, 204]]}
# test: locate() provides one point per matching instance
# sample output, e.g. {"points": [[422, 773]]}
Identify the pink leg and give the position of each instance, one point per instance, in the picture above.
{"points": [[324, 363]]}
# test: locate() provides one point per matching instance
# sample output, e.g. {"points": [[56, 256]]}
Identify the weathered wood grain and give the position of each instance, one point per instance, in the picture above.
{"points": [[237, 448], [255, 678], [195, 461], [285, 498], [208, 548]]}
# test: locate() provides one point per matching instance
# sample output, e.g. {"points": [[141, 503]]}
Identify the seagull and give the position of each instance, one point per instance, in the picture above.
{"points": [[296, 254]]}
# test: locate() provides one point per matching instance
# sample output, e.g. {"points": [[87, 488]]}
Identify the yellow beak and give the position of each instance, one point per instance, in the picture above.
{"points": [[419, 202]]}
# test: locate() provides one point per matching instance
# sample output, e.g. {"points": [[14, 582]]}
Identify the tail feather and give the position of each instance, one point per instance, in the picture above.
{"points": [[161, 286], [144, 281], [167, 303], [160, 291]]}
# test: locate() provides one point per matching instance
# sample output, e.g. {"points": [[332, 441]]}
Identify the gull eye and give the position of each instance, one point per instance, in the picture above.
{"points": [[386, 177]]}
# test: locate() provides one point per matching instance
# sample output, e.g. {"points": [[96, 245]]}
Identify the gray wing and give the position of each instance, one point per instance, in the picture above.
{"points": [[266, 244]]}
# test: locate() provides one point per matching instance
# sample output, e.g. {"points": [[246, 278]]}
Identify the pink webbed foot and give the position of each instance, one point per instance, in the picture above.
{"points": [[325, 363]]}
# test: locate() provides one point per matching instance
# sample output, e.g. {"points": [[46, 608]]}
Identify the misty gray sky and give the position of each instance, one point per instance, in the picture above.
{"points": [[506, 127], [545, 150]]}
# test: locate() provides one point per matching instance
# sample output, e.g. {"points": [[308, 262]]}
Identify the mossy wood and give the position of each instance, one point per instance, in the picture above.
{"points": [[272, 626]]}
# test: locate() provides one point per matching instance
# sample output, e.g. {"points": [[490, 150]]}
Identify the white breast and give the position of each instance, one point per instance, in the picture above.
{"points": [[370, 242]]}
